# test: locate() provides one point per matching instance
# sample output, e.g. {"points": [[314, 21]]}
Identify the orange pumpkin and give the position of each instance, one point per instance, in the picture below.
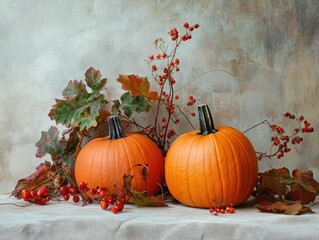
{"points": [[103, 162], [215, 165]]}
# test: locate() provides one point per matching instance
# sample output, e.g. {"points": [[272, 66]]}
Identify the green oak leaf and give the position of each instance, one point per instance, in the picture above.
{"points": [[90, 119], [73, 89], [131, 104], [80, 108]]}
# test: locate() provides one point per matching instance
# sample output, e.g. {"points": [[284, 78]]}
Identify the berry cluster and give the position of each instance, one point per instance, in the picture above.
{"points": [[69, 190], [174, 32], [163, 75], [281, 140], [114, 202], [116, 205], [40, 197], [222, 210]]}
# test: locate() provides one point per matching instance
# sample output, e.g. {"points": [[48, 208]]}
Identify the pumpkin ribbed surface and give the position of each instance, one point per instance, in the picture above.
{"points": [[103, 163], [220, 167]]}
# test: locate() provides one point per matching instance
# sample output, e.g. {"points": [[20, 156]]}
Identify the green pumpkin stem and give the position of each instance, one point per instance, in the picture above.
{"points": [[115, 128], [206, 122]]}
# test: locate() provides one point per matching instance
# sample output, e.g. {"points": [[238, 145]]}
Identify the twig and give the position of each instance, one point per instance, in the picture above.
{"points": [[263, 122]]}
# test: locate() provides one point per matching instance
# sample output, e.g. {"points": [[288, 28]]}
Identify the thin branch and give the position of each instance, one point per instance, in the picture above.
{"points": [[197, 78], [263, 122], [185, 117]]}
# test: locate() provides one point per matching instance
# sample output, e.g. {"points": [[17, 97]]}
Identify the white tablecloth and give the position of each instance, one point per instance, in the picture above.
{"points": [[66, 220]]}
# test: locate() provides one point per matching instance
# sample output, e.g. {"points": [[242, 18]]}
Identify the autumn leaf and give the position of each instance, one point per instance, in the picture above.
{"points": [[36, 179], [93, 79], [141, 199], [284, 208], [138, 86], [303, 188], [49, 142], [274, 181], [60, 148], [279, 192]]}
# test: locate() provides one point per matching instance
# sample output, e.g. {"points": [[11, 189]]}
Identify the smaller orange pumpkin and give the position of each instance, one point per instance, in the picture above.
{"points": [[212, 166], [102, 162]]}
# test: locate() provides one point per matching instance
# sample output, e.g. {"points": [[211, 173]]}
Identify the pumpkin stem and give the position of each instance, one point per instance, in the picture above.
{"points": [[115, 127], [206, 122]]}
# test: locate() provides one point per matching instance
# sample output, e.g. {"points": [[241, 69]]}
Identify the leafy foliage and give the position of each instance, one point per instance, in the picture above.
{"points": [[277, 185], [36, 179], [80, 108], [283, 207], [130, 104], [60, 149]]}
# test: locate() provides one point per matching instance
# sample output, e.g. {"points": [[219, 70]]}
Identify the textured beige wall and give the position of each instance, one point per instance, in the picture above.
{"points": [[271, 47]]}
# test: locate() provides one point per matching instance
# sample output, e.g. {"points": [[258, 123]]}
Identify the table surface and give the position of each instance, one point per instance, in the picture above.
{"points": [[67, 220]]}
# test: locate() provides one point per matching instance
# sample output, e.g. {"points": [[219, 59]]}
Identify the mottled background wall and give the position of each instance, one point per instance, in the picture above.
{"points": [[271, 49]]}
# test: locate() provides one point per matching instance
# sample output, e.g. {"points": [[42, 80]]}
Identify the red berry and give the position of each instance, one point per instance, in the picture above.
{"points": [[158, 56], [184, 38], [101, 192], [42, 192], [104, 204], [64, 189], [41, 201], [174, 37], [34, 194], [115, 209], [66, 196], [186, 25], [152, 57], [154, 68], [177, 69], [164, 55], [196, 25], [193, 114], [76, 199], [92, 191], [26, 194], [82, 185], [72, 191]]}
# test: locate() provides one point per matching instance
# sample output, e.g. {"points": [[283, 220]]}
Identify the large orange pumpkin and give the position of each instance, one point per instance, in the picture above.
{"points": [[102, 162], [212, 166]]}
